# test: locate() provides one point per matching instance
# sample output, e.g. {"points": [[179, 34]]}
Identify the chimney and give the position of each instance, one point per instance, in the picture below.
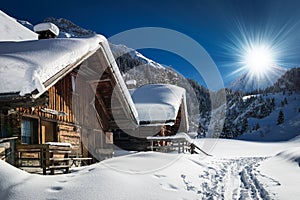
{"points": [[46, 30]]}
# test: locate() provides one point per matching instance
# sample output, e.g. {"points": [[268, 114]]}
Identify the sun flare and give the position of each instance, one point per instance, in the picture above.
{"points": [[258, 60]]}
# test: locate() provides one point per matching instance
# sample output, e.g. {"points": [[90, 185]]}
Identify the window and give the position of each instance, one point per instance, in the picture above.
{"points": [[29, 131], [109, 138]]}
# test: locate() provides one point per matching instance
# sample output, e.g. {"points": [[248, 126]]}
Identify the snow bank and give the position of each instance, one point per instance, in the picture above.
{"points": [[250, 96], [157, 103], [284, 170], [34, 62], [151, 175], [11, 30], [292, 155]]}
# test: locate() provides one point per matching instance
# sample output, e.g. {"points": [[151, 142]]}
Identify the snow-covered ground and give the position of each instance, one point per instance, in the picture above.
{"points": [[237, 170]]}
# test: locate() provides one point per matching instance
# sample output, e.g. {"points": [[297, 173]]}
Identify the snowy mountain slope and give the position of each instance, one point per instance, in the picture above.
{"points": [[119, 50], [69, 29], [237, 170], [269, 129], [12, 30], [247, 83]]}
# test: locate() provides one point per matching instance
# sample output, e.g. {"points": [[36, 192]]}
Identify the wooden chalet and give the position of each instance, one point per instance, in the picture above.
{"points": [[65, 91], [162, 111]]}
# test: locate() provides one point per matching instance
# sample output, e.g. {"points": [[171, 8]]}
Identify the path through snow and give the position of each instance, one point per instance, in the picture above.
{"points": [[225, 179]]}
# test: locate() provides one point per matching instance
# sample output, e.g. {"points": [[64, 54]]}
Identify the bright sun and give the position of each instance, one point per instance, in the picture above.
{"points": [[258, 60]]}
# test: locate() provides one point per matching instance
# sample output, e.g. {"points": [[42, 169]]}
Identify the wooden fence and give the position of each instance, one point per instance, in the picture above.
{"points": [[181, 144], [169, 145], [8, 149], [45, 156]]}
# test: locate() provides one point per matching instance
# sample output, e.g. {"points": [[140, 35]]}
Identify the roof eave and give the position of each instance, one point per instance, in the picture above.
{"points": [[62, 73]]}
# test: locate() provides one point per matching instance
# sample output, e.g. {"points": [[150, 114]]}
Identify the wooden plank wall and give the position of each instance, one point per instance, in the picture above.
{"points": [[60, 99]]}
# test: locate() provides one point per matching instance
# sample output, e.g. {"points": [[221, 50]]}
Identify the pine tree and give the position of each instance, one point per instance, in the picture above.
{"points": [[257, 126], [273, 103], [285, 101], [217, 130], [244, 125], [280, 118]]}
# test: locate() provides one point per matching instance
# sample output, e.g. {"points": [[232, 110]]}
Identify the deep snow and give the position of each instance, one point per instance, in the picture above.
{"points": [[34, 62], [158, 103], [237, 169]]}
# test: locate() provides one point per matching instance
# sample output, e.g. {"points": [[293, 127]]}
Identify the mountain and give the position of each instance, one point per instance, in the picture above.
{"points": [[12, 30], [290, 81], [121, 50], [248, 83], [69, 29], [270, 126], [257, 116]]}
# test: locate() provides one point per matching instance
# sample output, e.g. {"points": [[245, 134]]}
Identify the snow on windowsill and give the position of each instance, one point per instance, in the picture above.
{"points": [[62, 144]]}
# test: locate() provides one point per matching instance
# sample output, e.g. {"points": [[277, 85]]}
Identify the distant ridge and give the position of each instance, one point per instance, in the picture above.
{"points": [[245, 83]]}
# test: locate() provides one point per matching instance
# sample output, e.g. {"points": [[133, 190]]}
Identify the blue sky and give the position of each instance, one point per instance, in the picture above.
{"points": [[220, 26]]}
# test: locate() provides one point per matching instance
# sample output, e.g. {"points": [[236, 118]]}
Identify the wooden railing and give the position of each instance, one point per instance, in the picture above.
{"points": [[8, 149], [45, 156], [179, 143], [169, 145]]}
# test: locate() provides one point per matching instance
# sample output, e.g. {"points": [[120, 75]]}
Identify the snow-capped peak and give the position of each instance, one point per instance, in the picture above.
{"points": [[69, 29], [120, 49], [247, 83]]}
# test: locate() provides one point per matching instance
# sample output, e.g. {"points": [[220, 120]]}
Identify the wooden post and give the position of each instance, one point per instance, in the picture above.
{"points": [[152, 145], [44, 160], [12, 152]]}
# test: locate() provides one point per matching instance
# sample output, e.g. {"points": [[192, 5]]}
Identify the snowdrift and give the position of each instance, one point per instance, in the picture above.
{"points": [[150, 175]]}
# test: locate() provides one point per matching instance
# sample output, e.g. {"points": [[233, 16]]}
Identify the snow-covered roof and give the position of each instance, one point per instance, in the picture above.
{"points": [[47, 26], [158, 103], [26, 65], [11, 30], [131, 82], [121, 83]]}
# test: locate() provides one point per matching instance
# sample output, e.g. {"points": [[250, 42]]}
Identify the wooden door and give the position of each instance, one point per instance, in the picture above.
{"points": [[49, 133]]}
